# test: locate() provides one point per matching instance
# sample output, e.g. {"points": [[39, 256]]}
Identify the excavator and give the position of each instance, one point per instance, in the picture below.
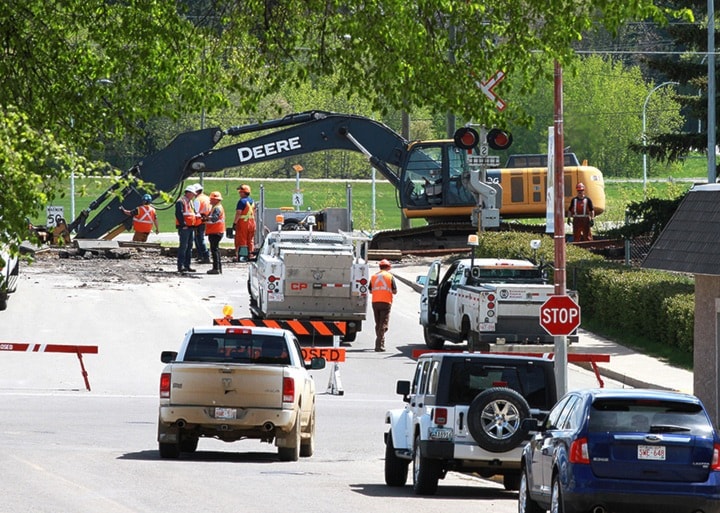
{"points": [[433, 179]]}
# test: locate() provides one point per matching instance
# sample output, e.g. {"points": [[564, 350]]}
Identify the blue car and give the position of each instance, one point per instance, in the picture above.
{"points": [[622, 450]]}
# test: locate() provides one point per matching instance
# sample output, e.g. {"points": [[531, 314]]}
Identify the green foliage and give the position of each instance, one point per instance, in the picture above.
{"points": [[647, 217]]}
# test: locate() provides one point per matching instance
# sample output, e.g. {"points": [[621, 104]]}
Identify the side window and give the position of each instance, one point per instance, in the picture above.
{"points": [[433, 380], [422, 388], [566, 417], [552, 420], [417, 378]]}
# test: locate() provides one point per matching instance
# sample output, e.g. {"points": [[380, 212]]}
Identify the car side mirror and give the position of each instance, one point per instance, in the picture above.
{"points": [[421, 280], [531, 425], [168, 356], [316, 363], [403, 388]]}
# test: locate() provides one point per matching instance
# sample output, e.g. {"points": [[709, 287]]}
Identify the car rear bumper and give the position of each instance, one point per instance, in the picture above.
{"points": [[246, 418], [635, 496]]}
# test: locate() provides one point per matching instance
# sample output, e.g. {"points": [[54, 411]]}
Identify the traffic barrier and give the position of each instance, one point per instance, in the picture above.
{"points": [[54, 348], [592, 358], [300, 328]]}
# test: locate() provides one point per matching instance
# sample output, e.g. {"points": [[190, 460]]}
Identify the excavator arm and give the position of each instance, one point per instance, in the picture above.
{"points": [[195, 152]]}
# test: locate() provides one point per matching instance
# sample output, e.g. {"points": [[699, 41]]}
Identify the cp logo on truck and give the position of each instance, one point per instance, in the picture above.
{"points": [[298, 285]]}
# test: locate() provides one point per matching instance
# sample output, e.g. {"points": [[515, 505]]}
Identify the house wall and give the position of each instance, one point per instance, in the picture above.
{"points": [[706, 353]]}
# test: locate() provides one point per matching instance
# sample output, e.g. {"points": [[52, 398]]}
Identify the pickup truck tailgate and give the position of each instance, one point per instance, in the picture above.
{"points": [[230, 385], [325, 275]]}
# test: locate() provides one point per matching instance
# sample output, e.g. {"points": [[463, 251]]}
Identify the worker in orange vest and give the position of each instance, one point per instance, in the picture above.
{"points": [[186, 219], [202, 206], [144, 218], [382, 288], [244, 223], [215, 229], [581, 214]]}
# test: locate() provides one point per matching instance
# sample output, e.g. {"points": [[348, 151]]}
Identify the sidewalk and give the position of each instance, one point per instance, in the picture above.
{"points": [[626, 366]]}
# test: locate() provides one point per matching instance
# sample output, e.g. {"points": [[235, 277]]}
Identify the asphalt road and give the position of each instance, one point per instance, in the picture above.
{"points": [[66, 449]]}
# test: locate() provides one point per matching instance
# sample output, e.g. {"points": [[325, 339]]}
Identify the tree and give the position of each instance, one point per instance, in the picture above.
{"points": [[91, 70], [690, 70]]}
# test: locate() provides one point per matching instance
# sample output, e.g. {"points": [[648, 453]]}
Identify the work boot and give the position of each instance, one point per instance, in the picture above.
{"points": [[214, 270], [205, 260], [189, 270]]}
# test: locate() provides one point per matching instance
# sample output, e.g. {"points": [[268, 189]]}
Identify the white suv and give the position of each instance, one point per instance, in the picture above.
{"points": [[463, 413], [9, 270]]}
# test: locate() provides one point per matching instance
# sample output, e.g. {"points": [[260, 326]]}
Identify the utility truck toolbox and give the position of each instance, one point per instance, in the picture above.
{"points": [[233, 383]]}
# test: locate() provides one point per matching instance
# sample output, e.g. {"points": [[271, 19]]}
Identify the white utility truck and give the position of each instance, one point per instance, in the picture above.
{"points": [[302, 274], [484, 301]]}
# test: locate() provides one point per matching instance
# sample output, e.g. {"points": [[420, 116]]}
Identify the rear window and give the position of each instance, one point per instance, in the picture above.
{"points": [[237, 348], [470, 378], [648, 416]]}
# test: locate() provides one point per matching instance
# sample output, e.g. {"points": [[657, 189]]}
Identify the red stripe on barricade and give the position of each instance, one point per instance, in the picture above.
{"points": [[54, 348]]}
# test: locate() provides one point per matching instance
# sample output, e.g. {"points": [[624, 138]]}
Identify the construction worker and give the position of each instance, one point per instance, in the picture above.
{"points": [[581, 214], [215, 229], [244, 223], [186, 219], [202, 207], [144, 218], [382, 288]]}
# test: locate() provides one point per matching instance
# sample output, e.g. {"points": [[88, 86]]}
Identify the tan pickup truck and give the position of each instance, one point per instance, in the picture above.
{"points": [[233, 383]]}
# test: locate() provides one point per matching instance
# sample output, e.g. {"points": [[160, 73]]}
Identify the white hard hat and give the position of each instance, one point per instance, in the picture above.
{"points": [[198, 187], [190, 188]]}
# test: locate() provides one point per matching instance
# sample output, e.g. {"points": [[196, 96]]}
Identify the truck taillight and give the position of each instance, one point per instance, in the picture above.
{"points": [[579, 451], [491, 306], [239, 331], [491, 297], [272, 279], [440, 416], [288, 390], [165, 385], [363, 281], [715, 465]]}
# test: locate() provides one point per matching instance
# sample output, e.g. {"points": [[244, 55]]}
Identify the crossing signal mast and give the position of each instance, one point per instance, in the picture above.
{"points": [[478, 144]]}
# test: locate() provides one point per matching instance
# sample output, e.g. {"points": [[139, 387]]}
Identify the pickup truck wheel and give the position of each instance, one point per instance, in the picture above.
{"points": [[432, 341], [292, 453], [511, 481], [426, 472], [188, 444], [307, 446], [494, 419], [396, 469]]}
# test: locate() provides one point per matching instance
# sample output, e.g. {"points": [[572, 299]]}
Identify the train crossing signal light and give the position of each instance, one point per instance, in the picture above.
{"points": [[466, 138], [499, 139]]}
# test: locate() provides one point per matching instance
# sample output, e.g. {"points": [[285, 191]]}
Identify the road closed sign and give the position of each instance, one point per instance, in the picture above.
{"points": [[560, 315]]}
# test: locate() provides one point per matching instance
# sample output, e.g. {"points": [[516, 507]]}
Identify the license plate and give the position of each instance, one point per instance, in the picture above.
{"points": [[225, 413], [651, 452], [441, 434]]}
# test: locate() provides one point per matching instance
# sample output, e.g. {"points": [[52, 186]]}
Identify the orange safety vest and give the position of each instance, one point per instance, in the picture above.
{"points": [[143, 221], [203, 205], [578, 207], [248, 212], [189, 215], [216, 226], [381, 286]]}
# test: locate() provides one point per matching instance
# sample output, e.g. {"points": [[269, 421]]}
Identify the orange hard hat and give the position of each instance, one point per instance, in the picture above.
{"points": [[384, 263], [244, 188], [216, 195], [580, 186]]}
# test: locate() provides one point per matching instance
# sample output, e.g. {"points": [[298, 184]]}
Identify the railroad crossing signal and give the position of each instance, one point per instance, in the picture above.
{"points": [[560, 315], [487, 88]]}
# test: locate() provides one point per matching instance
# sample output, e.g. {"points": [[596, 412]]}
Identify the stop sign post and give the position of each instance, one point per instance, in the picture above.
{"points": [[560, 315]]}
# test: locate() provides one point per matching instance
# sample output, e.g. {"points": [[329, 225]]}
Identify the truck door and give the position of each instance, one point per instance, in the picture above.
{"points": [[429, 294]]}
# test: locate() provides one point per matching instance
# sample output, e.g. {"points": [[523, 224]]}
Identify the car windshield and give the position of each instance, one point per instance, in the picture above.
{"points": [[636, 415], [237, 348]]}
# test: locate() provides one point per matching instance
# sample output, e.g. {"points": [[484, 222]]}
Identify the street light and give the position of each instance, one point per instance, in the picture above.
{"points": [[644, 137], [101, 81]]}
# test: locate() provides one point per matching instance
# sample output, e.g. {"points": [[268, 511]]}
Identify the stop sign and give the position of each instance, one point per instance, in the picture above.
{"points": [[560, 315]]}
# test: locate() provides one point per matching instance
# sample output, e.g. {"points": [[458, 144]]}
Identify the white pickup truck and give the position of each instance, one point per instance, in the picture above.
{"points": [[304, 274], [484, 301], [233, 383]]}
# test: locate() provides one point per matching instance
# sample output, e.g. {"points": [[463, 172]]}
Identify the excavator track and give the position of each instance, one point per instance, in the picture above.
{"points": [[425, 240]]}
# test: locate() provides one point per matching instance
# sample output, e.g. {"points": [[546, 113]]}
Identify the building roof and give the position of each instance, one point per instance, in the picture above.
{"points": [[691, 240]]}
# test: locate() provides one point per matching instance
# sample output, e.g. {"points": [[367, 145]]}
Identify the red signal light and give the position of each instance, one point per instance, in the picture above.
{"points": [[499, 139], [466, 138]]}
